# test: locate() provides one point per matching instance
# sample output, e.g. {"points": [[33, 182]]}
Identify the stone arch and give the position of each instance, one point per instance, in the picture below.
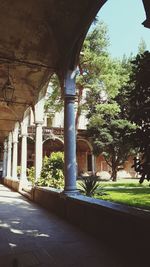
{"points": [[84, 156], [52, 145]]}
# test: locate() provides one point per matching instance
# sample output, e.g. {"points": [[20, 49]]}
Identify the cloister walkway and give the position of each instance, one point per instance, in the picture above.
{"points": [[30, 236]]}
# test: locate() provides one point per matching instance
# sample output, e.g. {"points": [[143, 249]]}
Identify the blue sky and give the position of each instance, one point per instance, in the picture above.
{"points": [[124, 18]]}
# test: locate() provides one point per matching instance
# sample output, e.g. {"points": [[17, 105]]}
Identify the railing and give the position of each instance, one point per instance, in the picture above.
{"points": [[58, 131]]}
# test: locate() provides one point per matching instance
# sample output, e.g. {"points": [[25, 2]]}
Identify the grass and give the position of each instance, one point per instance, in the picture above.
{"points": [[128, 192]]}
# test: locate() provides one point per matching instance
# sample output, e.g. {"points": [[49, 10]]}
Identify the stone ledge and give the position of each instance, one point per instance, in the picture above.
{"points": [[103, 219]]}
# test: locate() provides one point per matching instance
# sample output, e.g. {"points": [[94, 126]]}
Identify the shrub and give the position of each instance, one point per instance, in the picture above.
{"points": [[31, 175], [52, 171], [18, 171]]}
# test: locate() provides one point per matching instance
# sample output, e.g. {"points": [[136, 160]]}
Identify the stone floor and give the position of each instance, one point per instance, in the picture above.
{"points": [[30, 236]]}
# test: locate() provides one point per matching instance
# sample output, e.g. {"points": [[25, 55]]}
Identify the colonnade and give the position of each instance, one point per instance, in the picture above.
{"points": [[10, 155]]}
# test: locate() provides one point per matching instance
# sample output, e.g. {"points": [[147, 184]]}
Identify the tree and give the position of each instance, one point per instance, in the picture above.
{"points": [[140, 110], [141, 47], [111, 135], [53, 101]]}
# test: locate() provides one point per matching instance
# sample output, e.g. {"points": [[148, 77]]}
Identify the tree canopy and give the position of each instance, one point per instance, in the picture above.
{"points": [[140, 110]]}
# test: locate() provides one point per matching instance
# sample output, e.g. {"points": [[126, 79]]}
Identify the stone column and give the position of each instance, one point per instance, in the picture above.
{"points": [[39, 120], [5, 159], [38, 150], [93, 164], [23, 176], [15, 152], [9, 156], [69, 134]]}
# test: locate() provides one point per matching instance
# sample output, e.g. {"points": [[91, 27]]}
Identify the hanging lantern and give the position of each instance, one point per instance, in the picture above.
{"points": [[8, 90]]}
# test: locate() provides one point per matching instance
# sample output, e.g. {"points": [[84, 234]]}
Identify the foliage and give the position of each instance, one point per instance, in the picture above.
{"points": [[89, 185], [140, 109], [31, 174], [53, 96], [18, 170], [52, 171], [111, 135]]}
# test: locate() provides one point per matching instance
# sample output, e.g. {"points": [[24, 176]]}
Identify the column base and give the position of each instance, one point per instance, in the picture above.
{"points": [[23, 183], [8, 177], [66, 193], [15, 178]]}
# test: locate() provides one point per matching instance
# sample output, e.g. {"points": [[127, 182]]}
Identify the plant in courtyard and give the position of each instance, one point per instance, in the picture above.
{"points": [[31, 175], [52, 171], [18, 171], [89, 185]]}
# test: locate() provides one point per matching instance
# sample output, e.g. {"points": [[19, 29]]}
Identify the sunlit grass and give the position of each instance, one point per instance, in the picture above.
{"points": [[125, 183], [128, 192]]}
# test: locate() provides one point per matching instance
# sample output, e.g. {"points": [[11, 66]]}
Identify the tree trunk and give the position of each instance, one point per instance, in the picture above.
{"points": [[114, 165], [114, 174]]}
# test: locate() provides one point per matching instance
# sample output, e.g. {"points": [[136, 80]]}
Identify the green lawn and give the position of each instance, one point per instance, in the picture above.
{"points": [[128, 192]]}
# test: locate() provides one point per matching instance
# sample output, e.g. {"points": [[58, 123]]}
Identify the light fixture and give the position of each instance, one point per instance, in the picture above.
{"points": [[8, 89]]}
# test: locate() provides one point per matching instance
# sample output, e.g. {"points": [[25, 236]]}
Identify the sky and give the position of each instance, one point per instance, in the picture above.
{"points": [[124, 18]]}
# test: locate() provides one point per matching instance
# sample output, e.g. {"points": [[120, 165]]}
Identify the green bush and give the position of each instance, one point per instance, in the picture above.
{"points": [[31, 175], [52, 171], [18, 171]]}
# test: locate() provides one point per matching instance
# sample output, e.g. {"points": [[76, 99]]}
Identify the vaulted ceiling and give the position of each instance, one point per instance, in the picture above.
{"points": [[38, 38]]}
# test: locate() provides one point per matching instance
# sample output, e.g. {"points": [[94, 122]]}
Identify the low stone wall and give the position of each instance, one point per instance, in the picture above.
{"points": [[13, 184], [105, 220], [122, 227]]}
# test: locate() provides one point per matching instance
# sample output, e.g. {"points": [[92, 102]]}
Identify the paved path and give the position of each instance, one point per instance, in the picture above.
{"points": [[32, 237]]}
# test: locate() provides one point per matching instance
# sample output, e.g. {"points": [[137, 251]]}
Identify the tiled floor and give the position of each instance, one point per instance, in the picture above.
{"points": [[30, 236]]}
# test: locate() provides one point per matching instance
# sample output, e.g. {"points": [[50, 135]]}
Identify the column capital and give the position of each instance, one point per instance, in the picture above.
{"points": [[24, 131], [9, 145], [5, 146], [24, 135], [15, 141], [70, 98], [40, 123], [69, 84]]}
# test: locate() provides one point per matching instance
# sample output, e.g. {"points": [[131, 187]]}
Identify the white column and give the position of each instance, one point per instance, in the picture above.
{"points": [[15, 152], [69, 134], [5, 159], [38, 150], [9, 156], [23, 176], [39, 120], [93, 164]]}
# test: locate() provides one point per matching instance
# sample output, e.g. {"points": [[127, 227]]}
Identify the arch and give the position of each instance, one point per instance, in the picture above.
{"points": [[54, 138], [87, 142], [84, 156], [31, 138], [26, 116], [52, 145]]}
